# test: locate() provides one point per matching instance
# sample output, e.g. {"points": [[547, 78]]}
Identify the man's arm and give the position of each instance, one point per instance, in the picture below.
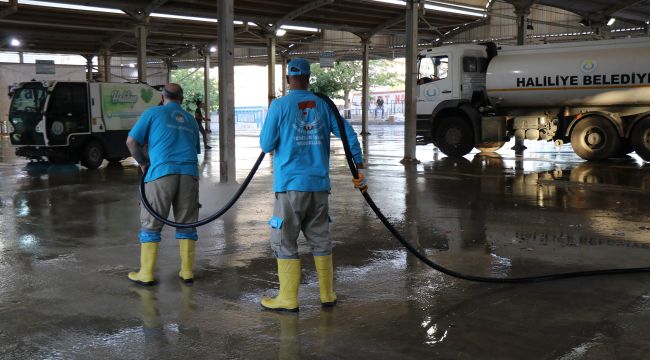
{"points": [[270, 133], [138, 153]]}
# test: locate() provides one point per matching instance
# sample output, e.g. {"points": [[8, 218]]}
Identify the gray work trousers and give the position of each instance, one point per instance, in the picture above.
{"points": [[180, 192], [295, 211]]}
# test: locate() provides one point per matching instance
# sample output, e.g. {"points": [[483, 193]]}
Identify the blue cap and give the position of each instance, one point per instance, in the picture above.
{"points": [[298, 66]]}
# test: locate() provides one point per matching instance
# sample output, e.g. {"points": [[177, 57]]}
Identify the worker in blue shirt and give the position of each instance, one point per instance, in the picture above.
{"points": [[172, 137], [297, 130]]}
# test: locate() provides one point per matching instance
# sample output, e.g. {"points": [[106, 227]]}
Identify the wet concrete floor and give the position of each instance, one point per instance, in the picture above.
{"points": [[68, 237]]}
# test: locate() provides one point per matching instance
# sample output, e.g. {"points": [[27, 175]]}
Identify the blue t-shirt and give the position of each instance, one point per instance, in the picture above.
{"points": [[173, 138], [297, 129]]}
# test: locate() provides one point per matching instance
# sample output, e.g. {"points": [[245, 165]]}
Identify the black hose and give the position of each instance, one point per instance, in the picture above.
{"points": [[384, 220], [210, 218], [442, 269]]}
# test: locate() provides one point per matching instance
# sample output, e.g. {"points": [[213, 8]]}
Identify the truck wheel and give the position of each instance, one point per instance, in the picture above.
{"points": [[491, 146], [93, 155], [454, 136], [640, 139], [595, 138]]}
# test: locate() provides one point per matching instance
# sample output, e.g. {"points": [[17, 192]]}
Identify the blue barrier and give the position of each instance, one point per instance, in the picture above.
{"points": [[250, 115]]}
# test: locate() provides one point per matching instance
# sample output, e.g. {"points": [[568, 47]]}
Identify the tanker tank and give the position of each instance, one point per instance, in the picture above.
{"points": [[602, 73]]}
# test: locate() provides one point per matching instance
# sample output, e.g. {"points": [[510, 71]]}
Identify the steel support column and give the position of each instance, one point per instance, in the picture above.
{"points": [[522, 19], [410, 111], [522, 12], [89, 67], [169, 63], [106, 69], [365, 97], [270, 51], [284, 75], [225, 12], [206, 89], [141, 36]]}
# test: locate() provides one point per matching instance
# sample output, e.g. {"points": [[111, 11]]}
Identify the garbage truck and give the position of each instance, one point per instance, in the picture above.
{"points": [[594, 95], [84, 122]]}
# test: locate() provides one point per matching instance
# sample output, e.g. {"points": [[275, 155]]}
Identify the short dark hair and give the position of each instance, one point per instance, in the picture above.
{"points": [[198, 102]]}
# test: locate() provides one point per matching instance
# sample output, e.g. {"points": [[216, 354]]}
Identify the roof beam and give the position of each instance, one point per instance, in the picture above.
{"points": [[143, 14], [315, 4], [13, 7], [153, 6], [620, 5], [461, 29], [388, 24]]}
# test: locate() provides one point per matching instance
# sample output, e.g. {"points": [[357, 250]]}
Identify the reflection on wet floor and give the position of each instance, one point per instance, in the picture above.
{"points": [[69, 236]]}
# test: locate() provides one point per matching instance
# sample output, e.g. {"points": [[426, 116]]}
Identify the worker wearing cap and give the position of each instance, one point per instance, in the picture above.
{"points": [[297, 130], [171, 180]]}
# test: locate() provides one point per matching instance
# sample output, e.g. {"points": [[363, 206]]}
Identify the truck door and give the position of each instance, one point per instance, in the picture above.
{"points": [[67, 112], [434, 82]]}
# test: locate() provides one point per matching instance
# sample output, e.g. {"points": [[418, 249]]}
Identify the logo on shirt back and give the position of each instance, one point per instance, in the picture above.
{"points": [[307, 119], [307, 124], [179, 117]]}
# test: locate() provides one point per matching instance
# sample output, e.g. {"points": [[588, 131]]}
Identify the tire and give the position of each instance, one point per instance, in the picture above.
{"points": [[595, 138], [93, 155], [490, 147], [640, 138], [454, 136]]}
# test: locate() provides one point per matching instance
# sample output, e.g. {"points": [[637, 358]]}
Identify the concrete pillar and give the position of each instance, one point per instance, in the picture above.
{"points": [[89, 68], [106, 68], [270, 51], [365, 45], [284, 75], [225, 14], [410, 112], [206, 88], [21, 58], [141, 36]]}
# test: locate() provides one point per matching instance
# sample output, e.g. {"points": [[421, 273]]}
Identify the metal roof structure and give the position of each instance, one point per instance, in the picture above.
{"points": [[180, 27], [83, 31]]}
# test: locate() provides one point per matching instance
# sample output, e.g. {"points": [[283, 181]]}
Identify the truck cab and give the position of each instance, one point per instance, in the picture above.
{"points": [[449, 77], [76, 121]]}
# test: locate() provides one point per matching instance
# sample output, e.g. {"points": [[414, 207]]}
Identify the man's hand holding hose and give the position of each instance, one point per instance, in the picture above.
{"points": [[360, 181]]}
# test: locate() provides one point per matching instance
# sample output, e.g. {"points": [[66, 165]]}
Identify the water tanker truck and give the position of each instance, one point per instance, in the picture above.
{"points": [[76, 121], [594, 95]]}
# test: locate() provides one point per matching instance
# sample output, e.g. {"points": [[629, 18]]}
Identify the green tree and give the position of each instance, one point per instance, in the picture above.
{"points": [[346, 76], [191, 80]]}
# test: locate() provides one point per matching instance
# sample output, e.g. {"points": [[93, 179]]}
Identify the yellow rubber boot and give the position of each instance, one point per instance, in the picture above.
{"points": [[148, 255], [287, 299], [187, 249], [325, 271]]}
